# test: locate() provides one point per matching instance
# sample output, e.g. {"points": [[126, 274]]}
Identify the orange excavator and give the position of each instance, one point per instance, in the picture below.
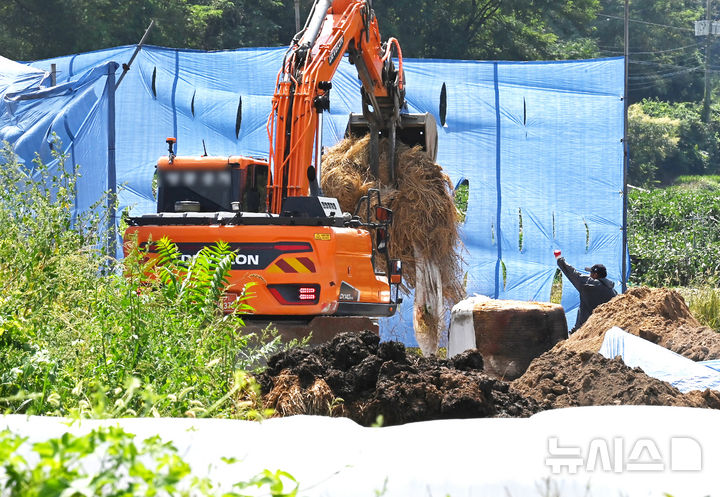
{"points": [[313, 267]]}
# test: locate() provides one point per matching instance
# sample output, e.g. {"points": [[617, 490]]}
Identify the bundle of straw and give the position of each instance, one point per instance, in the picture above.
{"points": [[425, 220]]}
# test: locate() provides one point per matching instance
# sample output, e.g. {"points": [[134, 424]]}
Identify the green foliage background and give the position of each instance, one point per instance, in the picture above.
{"points": [[668, 140], [674, 234]]}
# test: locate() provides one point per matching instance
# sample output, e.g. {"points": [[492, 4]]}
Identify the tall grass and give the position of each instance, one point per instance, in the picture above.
{"points": [[704, 304], [709, 181], [84, 334]]}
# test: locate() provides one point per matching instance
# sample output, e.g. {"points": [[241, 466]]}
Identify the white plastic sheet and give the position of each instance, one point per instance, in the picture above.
{"points": [[714, 364], [659, 362], [619, 450]]}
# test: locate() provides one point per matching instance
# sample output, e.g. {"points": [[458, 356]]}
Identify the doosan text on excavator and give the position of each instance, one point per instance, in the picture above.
{"points": [[313, 267]]}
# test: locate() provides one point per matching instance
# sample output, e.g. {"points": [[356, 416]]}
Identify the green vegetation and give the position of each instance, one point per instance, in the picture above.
{"points": [[674, 241], [704, 304], [81, 334], [461, 200], [668, 140], [674, 236], [709, 181], [120, 468]]}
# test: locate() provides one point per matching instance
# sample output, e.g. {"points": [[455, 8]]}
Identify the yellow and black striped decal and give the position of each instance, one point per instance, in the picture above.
{"points": [[292, 265]]}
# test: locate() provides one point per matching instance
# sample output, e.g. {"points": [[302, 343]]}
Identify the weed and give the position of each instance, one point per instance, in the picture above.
{"points": [[704, 304], [85, 335], [119, 467]]}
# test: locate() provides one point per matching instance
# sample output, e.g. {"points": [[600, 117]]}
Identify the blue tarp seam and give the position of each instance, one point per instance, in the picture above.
{"points": [[498, 186], [174, 93], [112, 172], [72, 141]]}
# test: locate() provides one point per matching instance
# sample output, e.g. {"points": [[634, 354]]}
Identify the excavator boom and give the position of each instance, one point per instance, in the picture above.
{"points": [[303, 89]]}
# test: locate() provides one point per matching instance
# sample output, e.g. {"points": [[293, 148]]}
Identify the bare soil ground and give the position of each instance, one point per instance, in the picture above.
{"points": [[573, 374], [374, 379], [563, 378], [659, 315]]}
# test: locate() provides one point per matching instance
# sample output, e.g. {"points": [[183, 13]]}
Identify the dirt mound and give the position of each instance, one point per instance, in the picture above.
{"points": [[374, 379], [659, 315], [562, 378]]}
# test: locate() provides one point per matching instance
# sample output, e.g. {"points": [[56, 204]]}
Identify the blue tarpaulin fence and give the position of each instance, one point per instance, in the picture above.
{"points": [[539, 143]]}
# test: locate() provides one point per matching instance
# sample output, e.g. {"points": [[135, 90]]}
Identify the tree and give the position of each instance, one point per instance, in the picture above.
{"points": [[37, 29], [222, 24], [665, 57], [487, 29]]}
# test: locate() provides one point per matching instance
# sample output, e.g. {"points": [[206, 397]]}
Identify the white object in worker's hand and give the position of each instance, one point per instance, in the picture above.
{"points": [[556, 253]]}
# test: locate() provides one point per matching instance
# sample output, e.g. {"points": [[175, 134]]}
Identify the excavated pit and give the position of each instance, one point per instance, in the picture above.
{"points": [[382, 379]]}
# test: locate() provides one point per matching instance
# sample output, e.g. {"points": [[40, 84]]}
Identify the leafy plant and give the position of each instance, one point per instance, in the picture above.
{"points": [[674, 236], [108, 462], [461, 195], [84, 334], [198, 283]]}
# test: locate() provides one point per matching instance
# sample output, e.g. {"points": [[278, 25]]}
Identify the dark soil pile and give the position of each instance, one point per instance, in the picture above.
{"points": [[562, 378], [659, 315], [381, 379]]}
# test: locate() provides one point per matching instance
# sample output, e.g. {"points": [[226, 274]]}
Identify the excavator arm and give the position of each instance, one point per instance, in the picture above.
{"points": [[334, 27]]}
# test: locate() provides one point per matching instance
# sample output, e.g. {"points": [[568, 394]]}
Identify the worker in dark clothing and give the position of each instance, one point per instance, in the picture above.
{"points": [[594, 290]]}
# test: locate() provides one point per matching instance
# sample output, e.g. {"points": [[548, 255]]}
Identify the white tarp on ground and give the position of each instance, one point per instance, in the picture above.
{"points": [[618, 450], [713, 363], [659, 362]]}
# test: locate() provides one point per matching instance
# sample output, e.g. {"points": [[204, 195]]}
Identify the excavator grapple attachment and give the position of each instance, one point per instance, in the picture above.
{"points": [[414, 129]]}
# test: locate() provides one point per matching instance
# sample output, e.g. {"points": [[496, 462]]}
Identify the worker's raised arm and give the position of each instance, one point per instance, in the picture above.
{"points": [[575, 277]]}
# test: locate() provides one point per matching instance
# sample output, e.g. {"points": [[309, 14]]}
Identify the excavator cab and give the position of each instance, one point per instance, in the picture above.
{"points": [[211, 184]]}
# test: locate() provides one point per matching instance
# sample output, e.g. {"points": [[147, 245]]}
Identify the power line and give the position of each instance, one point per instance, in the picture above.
{"points": [[666, 75], [678, 60], [660, 64], [613, 52], [646, 22], [642, 87]]}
